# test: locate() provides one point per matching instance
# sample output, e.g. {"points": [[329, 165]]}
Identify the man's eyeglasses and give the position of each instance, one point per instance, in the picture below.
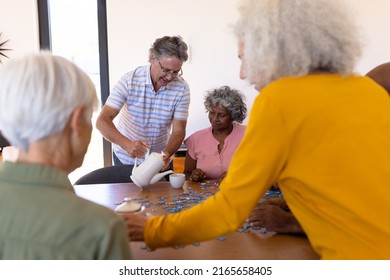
{"points": [[170, 72]]}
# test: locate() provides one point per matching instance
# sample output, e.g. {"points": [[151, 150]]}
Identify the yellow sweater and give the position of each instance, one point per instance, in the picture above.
{"points": [[325, 140]]}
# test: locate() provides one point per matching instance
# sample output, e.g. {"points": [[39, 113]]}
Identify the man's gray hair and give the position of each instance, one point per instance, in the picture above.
{"points": [[169, 46]]}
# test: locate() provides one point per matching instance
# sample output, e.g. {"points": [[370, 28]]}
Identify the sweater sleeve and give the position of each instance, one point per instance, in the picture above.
{"points": [[254, 167]]}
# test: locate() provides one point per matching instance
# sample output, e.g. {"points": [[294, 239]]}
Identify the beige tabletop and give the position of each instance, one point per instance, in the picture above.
{"points": [[161, 198]]}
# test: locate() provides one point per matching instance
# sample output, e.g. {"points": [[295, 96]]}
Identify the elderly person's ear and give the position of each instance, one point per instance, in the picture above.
{"points": [[77, 120]]}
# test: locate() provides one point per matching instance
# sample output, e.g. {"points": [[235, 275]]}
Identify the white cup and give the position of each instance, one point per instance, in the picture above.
{"points": [[177, 180]]}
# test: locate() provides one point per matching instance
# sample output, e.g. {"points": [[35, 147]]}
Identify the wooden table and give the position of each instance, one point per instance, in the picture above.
{"points": [[161, 198]]}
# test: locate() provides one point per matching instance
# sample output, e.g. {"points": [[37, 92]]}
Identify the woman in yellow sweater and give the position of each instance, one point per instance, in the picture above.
{"points": [[316, 129], [274, 214]]}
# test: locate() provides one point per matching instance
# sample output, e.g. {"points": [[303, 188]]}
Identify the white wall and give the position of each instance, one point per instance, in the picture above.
{"points": [[374, 21], [19, 25], [204, 24]]}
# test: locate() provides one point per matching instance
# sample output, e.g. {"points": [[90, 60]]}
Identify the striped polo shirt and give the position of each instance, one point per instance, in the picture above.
{"points": [[144, 114]]}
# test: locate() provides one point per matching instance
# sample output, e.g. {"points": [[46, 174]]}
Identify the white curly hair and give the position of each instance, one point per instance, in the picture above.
{"points": [[295, 37]]}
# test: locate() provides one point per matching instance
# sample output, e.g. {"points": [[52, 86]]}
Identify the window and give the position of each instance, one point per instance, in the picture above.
{"points": [[70, 28]]}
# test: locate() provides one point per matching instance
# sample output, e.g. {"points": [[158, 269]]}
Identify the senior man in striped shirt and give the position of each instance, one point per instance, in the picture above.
{"points": [[151, 103]]}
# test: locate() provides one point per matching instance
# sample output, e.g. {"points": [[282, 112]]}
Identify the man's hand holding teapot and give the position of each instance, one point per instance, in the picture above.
{"points": [[137, 149]]}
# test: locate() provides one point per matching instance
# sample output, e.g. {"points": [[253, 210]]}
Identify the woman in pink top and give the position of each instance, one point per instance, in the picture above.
{"points": [[210, 150]]}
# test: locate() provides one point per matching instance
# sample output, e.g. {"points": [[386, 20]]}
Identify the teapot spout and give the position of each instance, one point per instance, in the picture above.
{"points": [[158, 176]]}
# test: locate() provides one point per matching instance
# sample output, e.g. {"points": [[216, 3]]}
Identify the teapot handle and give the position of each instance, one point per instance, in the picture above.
{"points": [[147, 153], [146, 156], [135, 163]]}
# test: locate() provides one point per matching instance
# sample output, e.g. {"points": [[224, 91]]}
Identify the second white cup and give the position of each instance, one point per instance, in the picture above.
{"points": [[177, 180]]}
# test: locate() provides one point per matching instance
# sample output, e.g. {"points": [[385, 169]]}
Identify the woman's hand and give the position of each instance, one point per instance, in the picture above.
{"points": [[219, 179], [197, 175], [135, 226], [274, 215]]}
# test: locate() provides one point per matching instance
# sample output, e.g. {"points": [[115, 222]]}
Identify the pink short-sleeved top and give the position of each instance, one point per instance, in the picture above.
{"points": [[203, 147]]}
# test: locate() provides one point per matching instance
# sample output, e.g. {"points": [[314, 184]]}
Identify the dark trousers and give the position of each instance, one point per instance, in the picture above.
{"points": [[116, 159]]}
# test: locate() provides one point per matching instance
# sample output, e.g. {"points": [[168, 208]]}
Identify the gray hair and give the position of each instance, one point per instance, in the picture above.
{"points": [[295, 37], [169, 46], [231, 99], [38, 94]]}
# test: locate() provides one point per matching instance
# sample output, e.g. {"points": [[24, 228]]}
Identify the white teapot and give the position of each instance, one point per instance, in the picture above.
{"points": [[147, 173]]}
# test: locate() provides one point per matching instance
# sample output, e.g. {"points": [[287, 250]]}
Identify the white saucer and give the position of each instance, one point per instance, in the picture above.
{"points": [[129, 206]]}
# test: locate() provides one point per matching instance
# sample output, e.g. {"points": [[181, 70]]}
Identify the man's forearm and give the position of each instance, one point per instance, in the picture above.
{"points": [[174, 142]]}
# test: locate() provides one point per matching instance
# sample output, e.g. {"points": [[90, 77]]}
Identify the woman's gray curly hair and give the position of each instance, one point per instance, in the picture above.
{"points": [[231, 99], [295, 37]]}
